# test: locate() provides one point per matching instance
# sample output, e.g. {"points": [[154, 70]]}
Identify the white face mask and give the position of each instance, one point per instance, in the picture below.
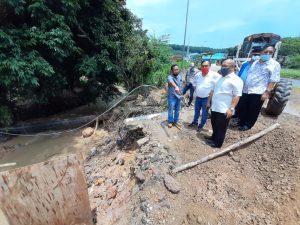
{"points": [[255, 57]]}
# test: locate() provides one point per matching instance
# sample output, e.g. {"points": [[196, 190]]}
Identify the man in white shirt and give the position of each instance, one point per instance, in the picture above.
{"points": [[262, 77], [203, 83], [223, 100]]}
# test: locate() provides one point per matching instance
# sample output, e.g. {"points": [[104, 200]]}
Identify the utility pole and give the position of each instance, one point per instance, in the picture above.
{"points": [[186, 21]]}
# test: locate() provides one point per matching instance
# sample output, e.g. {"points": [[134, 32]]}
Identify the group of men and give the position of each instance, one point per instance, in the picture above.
{"points": [[227, 94]]}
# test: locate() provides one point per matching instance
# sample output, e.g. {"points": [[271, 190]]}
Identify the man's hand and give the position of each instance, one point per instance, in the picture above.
{"points": [[265, 95], [229, 113], [177, 90], [207, 106]]}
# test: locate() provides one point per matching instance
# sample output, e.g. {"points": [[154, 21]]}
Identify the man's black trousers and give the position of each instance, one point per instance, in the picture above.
{"points": [[219, 125], [248, 109]]}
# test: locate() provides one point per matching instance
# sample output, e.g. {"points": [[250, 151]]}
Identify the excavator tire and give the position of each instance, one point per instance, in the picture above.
{"points": [[280, 97]]}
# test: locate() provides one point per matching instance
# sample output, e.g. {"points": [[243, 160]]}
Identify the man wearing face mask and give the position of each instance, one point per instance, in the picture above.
{"points": [[174, 94], [263, 75], [189, 77], [203, 82], [244, 71], [223, 99]]}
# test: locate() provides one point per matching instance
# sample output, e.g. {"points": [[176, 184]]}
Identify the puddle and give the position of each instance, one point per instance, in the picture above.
{"points": [[29, 150]]}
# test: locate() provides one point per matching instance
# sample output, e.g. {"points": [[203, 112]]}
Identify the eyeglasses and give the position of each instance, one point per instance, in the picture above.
{"points": [[205, 66]]}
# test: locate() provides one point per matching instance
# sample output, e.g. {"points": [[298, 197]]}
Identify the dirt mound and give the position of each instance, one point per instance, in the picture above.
{"points": [[257, 184]]}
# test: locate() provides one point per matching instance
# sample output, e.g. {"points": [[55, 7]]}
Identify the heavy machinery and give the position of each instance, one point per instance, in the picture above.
{"points": [[257, 41], [282, 90]]}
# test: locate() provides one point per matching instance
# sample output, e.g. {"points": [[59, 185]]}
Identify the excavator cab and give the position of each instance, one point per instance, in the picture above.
{"points": [[257, 41]]}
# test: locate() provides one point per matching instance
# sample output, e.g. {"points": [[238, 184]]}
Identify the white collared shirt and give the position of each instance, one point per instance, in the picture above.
{"points": [[260, 75], [205, 84], [225, 90]]}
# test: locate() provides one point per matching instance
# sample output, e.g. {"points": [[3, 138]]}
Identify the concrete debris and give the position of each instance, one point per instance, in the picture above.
{"points": [[142, 141], [171, 184], [87, 132]]}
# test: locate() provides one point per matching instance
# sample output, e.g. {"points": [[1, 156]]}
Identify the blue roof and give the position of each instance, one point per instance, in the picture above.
{"points": [[216, 56]]}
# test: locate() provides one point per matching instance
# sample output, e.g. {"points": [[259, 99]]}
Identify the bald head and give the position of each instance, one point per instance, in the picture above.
{"points": [[228, 66], [229, 63]]}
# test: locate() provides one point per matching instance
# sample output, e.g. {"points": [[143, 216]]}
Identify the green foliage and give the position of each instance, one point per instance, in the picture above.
{"points": [[292, 62], [290, 46], [48, 47], [232, 51], [290, 73], [178, 49]]}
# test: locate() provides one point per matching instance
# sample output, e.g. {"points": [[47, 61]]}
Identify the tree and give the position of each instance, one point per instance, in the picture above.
{"points": [[48, 48], [290, 46]]}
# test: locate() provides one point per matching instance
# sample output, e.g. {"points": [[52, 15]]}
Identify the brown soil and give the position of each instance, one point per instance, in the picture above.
{"points": [[258, 184]]}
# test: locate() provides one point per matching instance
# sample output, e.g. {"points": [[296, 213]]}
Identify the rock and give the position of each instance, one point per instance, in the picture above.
{"points": [[270, 187], [264, 157], [121, 162], [143, 141], [111, 192], [167, 147], [236, 159], [99, 181], [171, 184], [87, 132], [230, 153], [199, 220], [144, 206], [93, 151], [140, 177], [134, 127]]}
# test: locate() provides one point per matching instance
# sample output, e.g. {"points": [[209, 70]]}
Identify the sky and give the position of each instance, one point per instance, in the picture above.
{"points": [[217, 23]]}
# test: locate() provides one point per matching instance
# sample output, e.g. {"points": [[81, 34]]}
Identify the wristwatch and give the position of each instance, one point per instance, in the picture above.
{"points": [[232, 110]]}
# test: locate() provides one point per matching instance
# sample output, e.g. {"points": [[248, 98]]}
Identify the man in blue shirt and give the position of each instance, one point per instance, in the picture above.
{"points": [[174, 95], [244, 71]]}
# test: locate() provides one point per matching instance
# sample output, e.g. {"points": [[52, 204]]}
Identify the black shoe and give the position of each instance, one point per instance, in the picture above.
{"points": [[199, 129], [192, 124], [208, 138], [211, 144], [244, 128]]}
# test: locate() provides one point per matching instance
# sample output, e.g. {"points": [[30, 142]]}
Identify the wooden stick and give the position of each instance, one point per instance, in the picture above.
{"points": [[7, 164], [222, 152]]}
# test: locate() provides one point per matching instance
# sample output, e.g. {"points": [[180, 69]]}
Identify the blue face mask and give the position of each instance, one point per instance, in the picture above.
{"points": [[224, 71], [255, 57], [265, 57]]}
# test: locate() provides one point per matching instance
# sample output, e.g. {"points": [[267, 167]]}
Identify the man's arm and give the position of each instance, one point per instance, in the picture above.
{"points": [[230, 112], [173, 84], [267, 93], [208, 105]]}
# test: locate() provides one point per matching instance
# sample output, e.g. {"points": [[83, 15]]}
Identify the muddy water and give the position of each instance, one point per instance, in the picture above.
{"points": [[29, 150]]}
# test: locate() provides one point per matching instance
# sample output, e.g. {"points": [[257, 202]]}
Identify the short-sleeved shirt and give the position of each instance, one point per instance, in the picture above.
{"points": [[205, 84], [178, 81], [260, 75], [225, 90], [191, 73]]}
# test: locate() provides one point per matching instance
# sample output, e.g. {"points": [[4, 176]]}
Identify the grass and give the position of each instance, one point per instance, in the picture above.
{"points": [[290, 73]]}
